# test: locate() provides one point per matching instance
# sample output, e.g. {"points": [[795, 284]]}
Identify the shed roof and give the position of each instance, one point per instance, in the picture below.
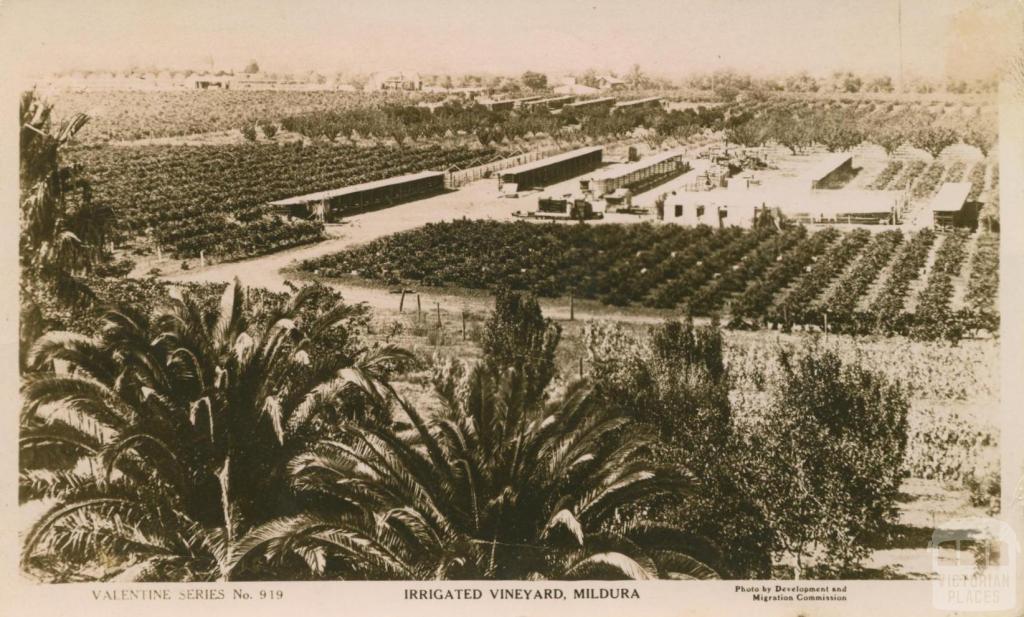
{"points": [[551, 160], [951, 197], [827, 165], [618, 171], [591, 101], [355, 188], [650, 99], [553, 99], [851, 201]]}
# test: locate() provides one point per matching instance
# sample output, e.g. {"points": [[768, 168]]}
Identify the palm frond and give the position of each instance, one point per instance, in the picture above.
{"points": [[608, 565]]}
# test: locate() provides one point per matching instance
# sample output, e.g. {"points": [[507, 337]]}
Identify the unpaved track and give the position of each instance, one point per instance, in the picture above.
{"points": [[478, 200]]}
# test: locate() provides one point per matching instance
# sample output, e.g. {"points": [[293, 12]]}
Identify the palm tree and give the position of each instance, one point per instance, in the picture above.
{"points": [[162, 441], [62, 229], [493, 487]]}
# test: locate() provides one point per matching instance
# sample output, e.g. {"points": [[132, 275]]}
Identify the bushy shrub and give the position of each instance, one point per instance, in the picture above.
{"points": [[675, 382], [827, 458]]}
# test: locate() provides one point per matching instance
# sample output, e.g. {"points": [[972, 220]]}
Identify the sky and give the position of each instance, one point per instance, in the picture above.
{"points": [[665, 37]]}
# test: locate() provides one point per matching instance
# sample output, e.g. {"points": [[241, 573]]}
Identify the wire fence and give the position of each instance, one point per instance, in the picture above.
{"points": [[455, 179], [462, 177]]}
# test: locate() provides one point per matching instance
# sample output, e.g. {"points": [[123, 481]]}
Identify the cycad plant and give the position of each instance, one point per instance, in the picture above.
{"points": [[497, 485], [160, 442]]}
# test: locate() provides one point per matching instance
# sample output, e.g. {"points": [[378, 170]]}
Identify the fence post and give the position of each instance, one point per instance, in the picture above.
{"points": [[438, 314], [572, 306], [419, 309], [463, 324], [401, 301]]}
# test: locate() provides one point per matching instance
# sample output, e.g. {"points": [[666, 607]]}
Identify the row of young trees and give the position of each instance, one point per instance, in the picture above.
{"points": [[798, 125], [404, 122]]}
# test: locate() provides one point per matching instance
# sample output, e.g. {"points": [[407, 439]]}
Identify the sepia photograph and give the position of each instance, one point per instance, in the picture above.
{"points": [[561, 293]]}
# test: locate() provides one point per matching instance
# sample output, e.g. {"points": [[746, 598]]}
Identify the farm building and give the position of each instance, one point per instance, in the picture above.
{"points": [[394, 80], [497, 105], [332, 205], [636, 176], [793, 197], [522, 101], [205, 82], [607, 82], [638, 103], [554, 102], [832, 172], [591, 104], [712, 208], [847, 206], [552, 169], [739, 204], [950, 207]]}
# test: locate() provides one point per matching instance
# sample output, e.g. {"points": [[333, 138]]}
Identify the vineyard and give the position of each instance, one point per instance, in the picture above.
{"points": [[134, 115], [213, 199], [792, 277]]}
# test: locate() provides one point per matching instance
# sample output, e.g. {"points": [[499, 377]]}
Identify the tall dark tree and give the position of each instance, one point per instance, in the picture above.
{"points": [[534, 80], [518, 336]]}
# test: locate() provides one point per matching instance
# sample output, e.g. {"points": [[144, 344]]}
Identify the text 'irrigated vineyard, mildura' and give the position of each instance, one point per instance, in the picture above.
{"points": [[857, 281], [213, 199]]}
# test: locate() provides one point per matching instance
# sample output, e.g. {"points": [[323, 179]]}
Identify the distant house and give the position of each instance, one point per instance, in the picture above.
{"points": [[394, 80], [607, 82]]}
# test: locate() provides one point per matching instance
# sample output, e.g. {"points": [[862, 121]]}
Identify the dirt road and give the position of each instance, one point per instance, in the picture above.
{"points": [[478, 200]]}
